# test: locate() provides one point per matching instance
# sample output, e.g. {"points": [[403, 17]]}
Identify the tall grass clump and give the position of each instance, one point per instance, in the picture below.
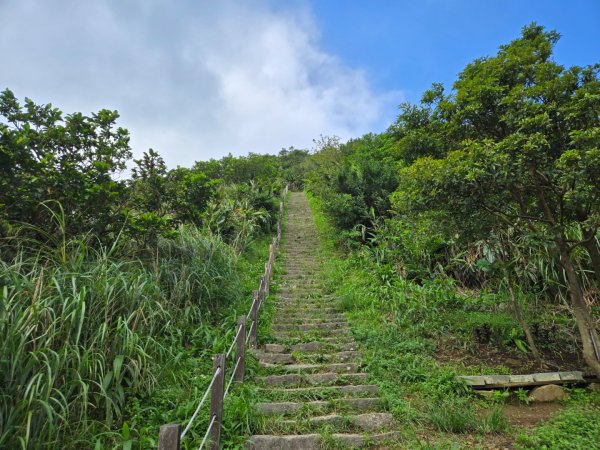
{"points": [[83, 327]]}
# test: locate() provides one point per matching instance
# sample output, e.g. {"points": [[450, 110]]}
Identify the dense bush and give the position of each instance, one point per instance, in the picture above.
{"points": [[82, 330]]}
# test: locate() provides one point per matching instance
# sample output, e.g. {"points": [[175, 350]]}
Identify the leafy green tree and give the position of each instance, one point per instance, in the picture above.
{"points": [[294, 166], [149, 180], [188, 192], [72, 160], [360, 193], [419, 131], [149, 215], [528, 156], [262, 169]]}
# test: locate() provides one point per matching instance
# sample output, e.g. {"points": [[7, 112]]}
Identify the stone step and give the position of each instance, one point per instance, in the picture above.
{"points": [[315, 441], [313, 379], [313, 296], [284, 290], [311, 326], [273, 358], [300, 287], [298, 300], [300, 293], [372, 421], [295, 311], [337, 357], [304, 296], [311, 368], [306, 306], [288, 358], [306, 242], [287, 320], [317, 333], [314, 393], [312, 322], [356, 404], [311, 347], [300, 263], [302, 307], [299, 276]]}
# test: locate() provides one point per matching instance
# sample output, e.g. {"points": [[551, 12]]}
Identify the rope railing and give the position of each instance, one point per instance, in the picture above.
{"points": [[212, 421], [204, 397], [170, 435], [249, 333], [234, 341], [231, 377]]}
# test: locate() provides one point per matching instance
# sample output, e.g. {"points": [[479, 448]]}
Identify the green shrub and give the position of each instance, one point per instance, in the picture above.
{"points": [[457, 415], [82, 331], [452, 415]]}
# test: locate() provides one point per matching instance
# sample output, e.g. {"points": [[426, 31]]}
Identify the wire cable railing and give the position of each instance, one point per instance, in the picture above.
{"points": [[237, 335], [170, 435], [233, 372], [204, 397]]}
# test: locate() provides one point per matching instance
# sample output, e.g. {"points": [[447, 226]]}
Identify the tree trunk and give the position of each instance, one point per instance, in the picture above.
{"points": [[583, 317], [524, 324], [592, 248]]}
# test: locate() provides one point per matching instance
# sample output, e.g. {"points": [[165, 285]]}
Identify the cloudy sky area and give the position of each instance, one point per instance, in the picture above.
{"points": [[199, 79]]}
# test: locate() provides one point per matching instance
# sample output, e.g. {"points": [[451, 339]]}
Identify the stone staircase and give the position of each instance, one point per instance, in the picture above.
{"points": [[314, 393]]}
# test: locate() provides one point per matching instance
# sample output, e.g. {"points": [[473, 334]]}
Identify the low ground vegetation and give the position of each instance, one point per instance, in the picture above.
{"points": [[406, 331]]}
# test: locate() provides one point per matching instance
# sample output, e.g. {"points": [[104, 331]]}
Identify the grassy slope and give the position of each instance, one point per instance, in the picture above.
{"points": [[400, 324], [183, 383]]}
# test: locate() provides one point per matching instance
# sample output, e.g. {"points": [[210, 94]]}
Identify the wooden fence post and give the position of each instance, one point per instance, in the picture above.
{"points": [[169, 437], [216, 402], [240, 353], [278, 233], [254, 318], [265, 284]]}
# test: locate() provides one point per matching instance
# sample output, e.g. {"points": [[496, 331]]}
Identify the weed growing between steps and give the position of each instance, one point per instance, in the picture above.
{"points": [[401, 327]]}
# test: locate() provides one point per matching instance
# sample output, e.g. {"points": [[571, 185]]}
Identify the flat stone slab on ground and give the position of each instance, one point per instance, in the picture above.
{"points": [[571, 376], [473, 380], [549, 376], [521, 379], [499, 381]]}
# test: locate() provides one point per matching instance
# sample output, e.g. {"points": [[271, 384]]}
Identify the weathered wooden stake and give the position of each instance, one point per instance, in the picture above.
{"points": [[216, 402], [261, 290], [169, 437], [240, 353], [265, 283], [254, 318]]}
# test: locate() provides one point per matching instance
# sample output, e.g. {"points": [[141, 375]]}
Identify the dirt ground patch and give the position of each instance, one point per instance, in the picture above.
{"points": [[518, 362], [527, 416]]}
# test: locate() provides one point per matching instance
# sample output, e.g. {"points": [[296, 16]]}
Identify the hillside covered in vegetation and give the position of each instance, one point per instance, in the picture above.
{"points": [[462, 240]]}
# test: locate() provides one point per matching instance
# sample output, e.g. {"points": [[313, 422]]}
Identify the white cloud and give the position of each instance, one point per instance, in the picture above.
{"points": [[193, 79]]}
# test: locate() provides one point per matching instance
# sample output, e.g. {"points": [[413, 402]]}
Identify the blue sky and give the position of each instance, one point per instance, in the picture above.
{"points": [[197, 79], [408, 45]]}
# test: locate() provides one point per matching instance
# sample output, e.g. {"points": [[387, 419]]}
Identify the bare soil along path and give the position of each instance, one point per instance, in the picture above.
{"points": [[314, 391]]}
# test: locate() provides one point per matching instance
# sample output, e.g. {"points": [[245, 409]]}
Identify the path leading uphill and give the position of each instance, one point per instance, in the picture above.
{"points": [[314, 391]]}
